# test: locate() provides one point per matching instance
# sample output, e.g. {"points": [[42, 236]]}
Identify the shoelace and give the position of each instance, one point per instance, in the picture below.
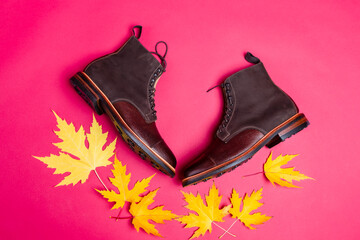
{"points": [[161, 57], [137, 34], [156, 75], [229, 104]]}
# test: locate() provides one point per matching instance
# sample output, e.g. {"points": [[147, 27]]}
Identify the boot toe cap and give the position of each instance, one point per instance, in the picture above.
{"points": [[199, 165], [164, 152]]}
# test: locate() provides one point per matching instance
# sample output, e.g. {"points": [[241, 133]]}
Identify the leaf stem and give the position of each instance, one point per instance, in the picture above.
{"points": [[252, 174], [223, 229], [118, 216], [122, 217], [101, 180], [227, 231], [126, 205]]}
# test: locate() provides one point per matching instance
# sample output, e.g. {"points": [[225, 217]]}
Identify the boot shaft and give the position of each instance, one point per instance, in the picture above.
{"points": [[257, 114], [122, 85], [130, 75], [253, 101]]}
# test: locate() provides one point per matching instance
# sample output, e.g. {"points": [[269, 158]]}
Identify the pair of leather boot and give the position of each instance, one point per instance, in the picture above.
{"points": [[122, 85]]}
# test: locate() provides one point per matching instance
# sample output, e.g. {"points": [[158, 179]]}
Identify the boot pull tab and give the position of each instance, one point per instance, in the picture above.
{"points": [[251, 58], [162, 57], [139, 27]]}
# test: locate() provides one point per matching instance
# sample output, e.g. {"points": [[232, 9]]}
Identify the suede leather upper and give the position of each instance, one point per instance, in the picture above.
{"points": [[127, 78], [125, 75], [254, 105], [258, 103]]}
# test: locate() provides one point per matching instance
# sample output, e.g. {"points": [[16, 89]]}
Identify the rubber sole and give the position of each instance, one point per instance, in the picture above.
{"points": [[91, 93], [279, 134]]}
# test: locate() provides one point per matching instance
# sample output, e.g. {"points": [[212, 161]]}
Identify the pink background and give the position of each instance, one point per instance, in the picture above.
{"points": [[310, 48]]}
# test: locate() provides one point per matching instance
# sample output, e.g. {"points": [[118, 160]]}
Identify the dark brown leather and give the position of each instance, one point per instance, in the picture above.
{"points": [[258, 102], [148, 132], [254, 105], [125, 75], [219, 152]]}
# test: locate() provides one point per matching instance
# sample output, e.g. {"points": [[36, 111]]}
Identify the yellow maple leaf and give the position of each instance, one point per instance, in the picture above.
{"points": [[207, 214], [282, 176], [141, 214], [121, 181], [73, 144], [250, 203]]}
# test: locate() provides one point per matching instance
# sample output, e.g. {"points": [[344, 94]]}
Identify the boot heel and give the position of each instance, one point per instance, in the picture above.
{"points": [[86, 92], [290, 129]]}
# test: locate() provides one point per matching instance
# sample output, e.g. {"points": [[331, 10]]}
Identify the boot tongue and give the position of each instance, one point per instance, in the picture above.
{"points": [[251, 58]]}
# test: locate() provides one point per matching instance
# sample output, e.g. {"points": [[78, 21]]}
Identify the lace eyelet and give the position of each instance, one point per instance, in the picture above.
{"points": [[152, 91], [228, 106]]}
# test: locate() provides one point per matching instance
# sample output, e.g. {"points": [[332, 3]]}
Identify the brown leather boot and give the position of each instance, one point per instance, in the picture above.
{"points": [[122, 84], [257, 114]]}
